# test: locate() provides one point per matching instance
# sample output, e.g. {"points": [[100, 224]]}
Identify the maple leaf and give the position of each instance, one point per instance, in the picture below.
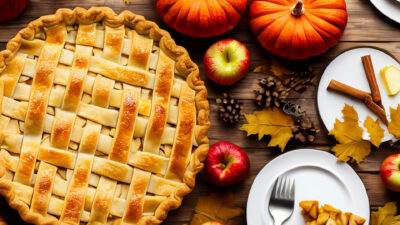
{"points": [[394, 124], [215, 207], [349, 135], [271, 122], [385, 215], [375, 131]]}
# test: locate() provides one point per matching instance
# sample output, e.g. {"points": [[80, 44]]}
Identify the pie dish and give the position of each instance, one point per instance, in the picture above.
{"points": [[327, 215], [103, 120]]}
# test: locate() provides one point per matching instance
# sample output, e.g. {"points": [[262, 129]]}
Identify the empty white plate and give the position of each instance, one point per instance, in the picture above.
{"points": [[318, 177], [347, 68], [389, 8]]}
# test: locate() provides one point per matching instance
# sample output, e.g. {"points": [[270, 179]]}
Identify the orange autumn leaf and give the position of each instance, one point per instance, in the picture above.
{"points": [[274, 67], [386, 215], [349, 135], [394, 124], [273, 122], [215, 207], [375, 131], [261, 69], [279, 70]]}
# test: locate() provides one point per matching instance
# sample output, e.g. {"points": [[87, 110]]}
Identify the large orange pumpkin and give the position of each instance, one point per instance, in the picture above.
{"points": [[298, 29], [201, 18]]}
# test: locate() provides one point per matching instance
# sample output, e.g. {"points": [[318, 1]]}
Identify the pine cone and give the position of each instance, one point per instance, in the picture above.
{"points": [[230, 110], [303, 130], [272, 94], [301, 78]]}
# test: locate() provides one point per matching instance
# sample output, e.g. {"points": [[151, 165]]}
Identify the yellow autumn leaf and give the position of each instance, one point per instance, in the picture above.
{"points": [[375, 131], [349, 135], [386, 215], [215, 207], [271, 122], [394, 124]]}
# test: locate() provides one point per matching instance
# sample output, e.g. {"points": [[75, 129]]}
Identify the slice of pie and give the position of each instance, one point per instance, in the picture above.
{"points": [[327, 215], [103, 120]]}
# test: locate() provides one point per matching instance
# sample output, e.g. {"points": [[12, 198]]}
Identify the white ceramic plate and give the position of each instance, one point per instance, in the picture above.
{"points": [[318, 177], [347, 68], [389, 8]]}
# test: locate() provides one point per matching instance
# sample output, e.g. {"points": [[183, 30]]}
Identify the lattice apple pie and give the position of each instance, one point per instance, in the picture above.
{"points": [[327, 215], [103, 120]]}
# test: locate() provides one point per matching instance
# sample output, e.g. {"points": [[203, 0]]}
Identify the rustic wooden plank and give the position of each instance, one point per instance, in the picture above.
{"points": [[363, 18], [377, 194], [366, 27]]}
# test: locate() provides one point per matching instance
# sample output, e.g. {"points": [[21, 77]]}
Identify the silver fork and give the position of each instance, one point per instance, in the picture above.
{"points": [[281, 203]]}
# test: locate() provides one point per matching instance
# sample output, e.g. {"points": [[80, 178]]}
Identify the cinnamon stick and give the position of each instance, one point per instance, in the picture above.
{"points": [[347, 90], [373, 85], [376, 109], [361, 95]]}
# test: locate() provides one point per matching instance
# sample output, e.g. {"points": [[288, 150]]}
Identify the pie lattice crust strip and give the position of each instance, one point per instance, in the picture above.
{"points": [[103, 120]]}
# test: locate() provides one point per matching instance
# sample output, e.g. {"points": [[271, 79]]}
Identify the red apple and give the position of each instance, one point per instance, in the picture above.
{"points": [[9, 9], [213, 223], [390, 172], [226, 164], [227, 61]]}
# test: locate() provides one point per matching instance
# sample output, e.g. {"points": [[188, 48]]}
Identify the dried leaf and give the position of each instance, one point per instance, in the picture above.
{"points": [[279, 70], [386, 215], [375, 131], [261, 69], [394, 124], [271, 122], [349, 135], [215, 207]]}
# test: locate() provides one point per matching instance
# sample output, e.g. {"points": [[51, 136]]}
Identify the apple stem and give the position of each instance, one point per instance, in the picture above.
{"points": [[298, 9], [227, 55], [221, 165]]}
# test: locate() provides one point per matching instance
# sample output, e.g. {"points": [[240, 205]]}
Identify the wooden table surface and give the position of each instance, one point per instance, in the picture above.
{"points": [[366, 27]]}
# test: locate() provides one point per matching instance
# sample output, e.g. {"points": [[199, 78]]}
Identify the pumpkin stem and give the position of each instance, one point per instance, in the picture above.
{"points": [[298, 9]]}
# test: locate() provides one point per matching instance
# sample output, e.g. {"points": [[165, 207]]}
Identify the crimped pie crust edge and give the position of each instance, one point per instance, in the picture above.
{"points": [[184, 65]]}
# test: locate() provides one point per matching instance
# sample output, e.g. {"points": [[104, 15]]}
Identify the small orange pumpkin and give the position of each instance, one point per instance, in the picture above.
{"points": [[298, 29], [201, 18]]}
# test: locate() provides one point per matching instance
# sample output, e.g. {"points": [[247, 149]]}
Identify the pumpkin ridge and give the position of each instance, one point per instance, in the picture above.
{"points": [[316, 37], [168, 12], [164, 7], [326, 35], [182, 12], [277, 15], [195, 9], [263, 8], [269, 32], [204, 16], [283, 34], [213, 8], [227, 3], [327, 30], [319, 5], [240, 11], [323, 16], [316, 32], [280, 32], [223, 6]]}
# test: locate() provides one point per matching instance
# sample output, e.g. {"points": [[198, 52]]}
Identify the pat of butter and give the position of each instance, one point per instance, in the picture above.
{"points": [[391, 78]]}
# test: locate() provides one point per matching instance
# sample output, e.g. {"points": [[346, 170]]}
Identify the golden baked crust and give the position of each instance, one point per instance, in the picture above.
{"points": [[183, 64]]}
